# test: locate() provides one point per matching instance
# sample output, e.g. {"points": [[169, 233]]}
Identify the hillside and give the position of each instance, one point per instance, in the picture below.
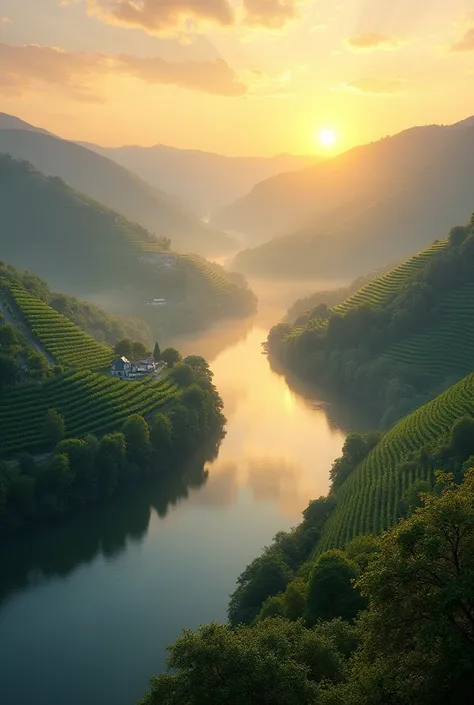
{"points": [[114, 186], [89, 402], [67, 344], [371, 205], [391, 346], [85, 249], [204, 180], [368, 502]]}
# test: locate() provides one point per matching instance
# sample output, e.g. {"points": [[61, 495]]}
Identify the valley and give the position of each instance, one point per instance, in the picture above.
{"points": [[270, 479]]}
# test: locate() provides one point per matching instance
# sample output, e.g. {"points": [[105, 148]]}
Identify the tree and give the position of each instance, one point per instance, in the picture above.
{"points": [[54, 428], [276, 662], [160, 433], [54, 486], [8, 336], [156, 352], [80, 453], [137, 437], [7, 370], [124, 348], [264, 577], [331, 590], [111, 460], [37, 366], [139, 350], [170, 356], [199, 365], [183, 374], [418, 632]]}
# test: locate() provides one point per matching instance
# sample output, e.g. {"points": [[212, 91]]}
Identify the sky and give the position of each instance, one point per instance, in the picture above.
{"points": [[239, 77]]}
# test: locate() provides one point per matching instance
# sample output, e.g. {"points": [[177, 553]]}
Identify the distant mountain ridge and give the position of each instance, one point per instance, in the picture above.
{"points": [[111, 184], [206, 180], [355, 212], [84, 248]]}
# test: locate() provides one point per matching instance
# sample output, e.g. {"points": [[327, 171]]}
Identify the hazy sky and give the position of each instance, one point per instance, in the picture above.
{"points": [[236, 76]]}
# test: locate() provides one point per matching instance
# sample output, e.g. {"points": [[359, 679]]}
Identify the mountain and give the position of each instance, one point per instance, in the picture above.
{"points": [[205, 180], [10, 122], [111, 184], [86, 249], [396, 342], [373, 204]]}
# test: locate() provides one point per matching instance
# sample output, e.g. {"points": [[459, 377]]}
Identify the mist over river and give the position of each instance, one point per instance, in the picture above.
{"points": [[87, 607]]}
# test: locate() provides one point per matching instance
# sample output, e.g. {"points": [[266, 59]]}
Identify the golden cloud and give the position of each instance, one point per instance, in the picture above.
{"points": [[465, 44], [23, 67], [371, 41], [273, 14], [376, 86], [163, 17]]}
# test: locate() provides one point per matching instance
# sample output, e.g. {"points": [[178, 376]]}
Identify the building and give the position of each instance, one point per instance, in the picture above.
{"points": [[121, 367]]}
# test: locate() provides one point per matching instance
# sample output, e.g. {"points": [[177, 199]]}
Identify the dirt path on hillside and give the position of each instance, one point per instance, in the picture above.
{"points": [[18, 320]]}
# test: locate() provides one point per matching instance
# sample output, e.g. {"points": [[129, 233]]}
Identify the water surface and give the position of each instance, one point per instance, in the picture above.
{"points": [[87, 608]]}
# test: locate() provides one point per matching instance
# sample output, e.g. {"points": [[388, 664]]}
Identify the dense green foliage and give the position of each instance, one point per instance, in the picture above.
{"points": [[274, 663], [389, 347], [406, 635], [19, 361], [99, 438], [269, 573]]}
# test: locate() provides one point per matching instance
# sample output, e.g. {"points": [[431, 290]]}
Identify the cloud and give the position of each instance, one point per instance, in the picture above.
{"points": [[5, 20], [376, 86], [465, 44], [371, 41], [22, 68], [214, 76], [273, 14], [163, 16]]}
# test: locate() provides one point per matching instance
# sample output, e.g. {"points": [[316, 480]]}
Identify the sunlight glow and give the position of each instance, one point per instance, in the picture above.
{"points": [[327, 137]]}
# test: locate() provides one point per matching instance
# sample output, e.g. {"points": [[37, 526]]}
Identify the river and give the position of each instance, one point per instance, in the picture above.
{"points": [[87, 608]]}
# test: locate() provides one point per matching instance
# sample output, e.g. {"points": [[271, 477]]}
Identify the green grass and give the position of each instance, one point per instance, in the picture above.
{"points": [[90, 403], [65, 341], [367, 501]]}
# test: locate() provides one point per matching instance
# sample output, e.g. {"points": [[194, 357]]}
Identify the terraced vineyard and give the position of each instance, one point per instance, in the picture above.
{"points": [[368, 499], [65, 341], [381, 289], [211, 276], [90, 403], [448, 346]]}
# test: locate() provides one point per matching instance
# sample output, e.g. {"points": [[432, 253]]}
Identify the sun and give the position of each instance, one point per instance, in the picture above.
{"points": [[327, 137]]}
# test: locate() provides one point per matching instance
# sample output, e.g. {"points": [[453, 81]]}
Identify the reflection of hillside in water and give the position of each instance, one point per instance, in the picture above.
{"points": [[215, 340], [340, 413], [106, 531]]}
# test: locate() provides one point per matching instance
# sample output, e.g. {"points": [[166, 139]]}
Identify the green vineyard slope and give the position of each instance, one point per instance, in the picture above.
{"points": [[66, 342], [367, 501], [90, 403]]}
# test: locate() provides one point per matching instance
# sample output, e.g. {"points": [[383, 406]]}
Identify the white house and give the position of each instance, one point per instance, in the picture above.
{"points": [[121, 367]]}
